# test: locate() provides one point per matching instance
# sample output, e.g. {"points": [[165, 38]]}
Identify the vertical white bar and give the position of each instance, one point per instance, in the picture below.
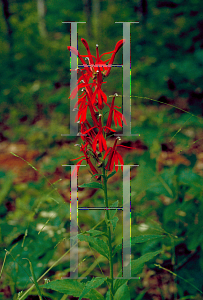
{"points": [[126, 224], [73, 78], [74, 225], [126, 80]]}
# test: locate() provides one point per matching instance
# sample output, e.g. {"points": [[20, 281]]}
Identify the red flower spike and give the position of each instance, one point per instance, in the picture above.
{"points": [[91, 97]]}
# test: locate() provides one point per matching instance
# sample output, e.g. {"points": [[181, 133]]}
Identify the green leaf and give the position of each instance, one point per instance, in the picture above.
{"points": [[94, 185], [94, 232], [71, 287], [97, 244], [108, 295], [113, 212], [138, 240], [93, 284], [65, 286], [110, 175], [113, 219], [136, 267], [137, 263], [122, 293], [114, 222]]}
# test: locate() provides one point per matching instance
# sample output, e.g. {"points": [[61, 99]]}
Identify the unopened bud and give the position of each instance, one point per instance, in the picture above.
{"points": [[118, 138], [97, 71], [100, 115], [97, 45], [116, 94]]}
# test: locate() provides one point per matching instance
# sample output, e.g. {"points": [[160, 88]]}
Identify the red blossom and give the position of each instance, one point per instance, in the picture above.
{"points": [[92, 96]]}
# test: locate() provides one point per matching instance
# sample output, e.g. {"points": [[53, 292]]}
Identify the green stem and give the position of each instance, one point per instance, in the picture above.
{"points": [[108, 233]]}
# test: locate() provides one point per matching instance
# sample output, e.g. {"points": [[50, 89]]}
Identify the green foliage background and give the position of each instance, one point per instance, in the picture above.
{"points": [[166, 65]]}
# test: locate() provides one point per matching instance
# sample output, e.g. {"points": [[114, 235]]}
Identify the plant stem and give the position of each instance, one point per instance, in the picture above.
{"points": [[109, 233]]}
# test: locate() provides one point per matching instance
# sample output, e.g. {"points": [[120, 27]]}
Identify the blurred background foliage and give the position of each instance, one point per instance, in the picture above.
{"points": [[166, 190]]}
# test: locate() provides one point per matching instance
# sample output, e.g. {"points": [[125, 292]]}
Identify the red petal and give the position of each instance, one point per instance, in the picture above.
{"points": [[77, 158], [89, 129], [125, 146], [110, 128], [88, 49], [107, 152], [116, 162], [75, 169], [119, 45], [121, 160]]}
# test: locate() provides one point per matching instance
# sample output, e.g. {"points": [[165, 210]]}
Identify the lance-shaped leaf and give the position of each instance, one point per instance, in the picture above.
{"points": [[94, 185], [72, 287], [97, 244], [122, 293], [138, 240], [93, 284], [136, 267]]}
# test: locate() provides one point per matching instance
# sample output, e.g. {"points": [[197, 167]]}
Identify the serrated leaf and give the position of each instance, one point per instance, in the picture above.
{"points": [[93, 284], [136, 267], [97, 244], [65, 286], [122, 293], [71, 287], [94, 185], [138, 240]]}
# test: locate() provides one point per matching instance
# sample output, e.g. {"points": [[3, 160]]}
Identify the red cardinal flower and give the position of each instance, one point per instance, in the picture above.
{"points": [[114, 156], [92, 96]]}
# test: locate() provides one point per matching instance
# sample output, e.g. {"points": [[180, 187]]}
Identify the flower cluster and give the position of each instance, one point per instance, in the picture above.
{"points": [[93, 98]]}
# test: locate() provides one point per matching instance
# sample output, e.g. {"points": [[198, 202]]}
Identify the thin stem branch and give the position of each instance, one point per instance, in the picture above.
{"points": [[109, 233]]}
